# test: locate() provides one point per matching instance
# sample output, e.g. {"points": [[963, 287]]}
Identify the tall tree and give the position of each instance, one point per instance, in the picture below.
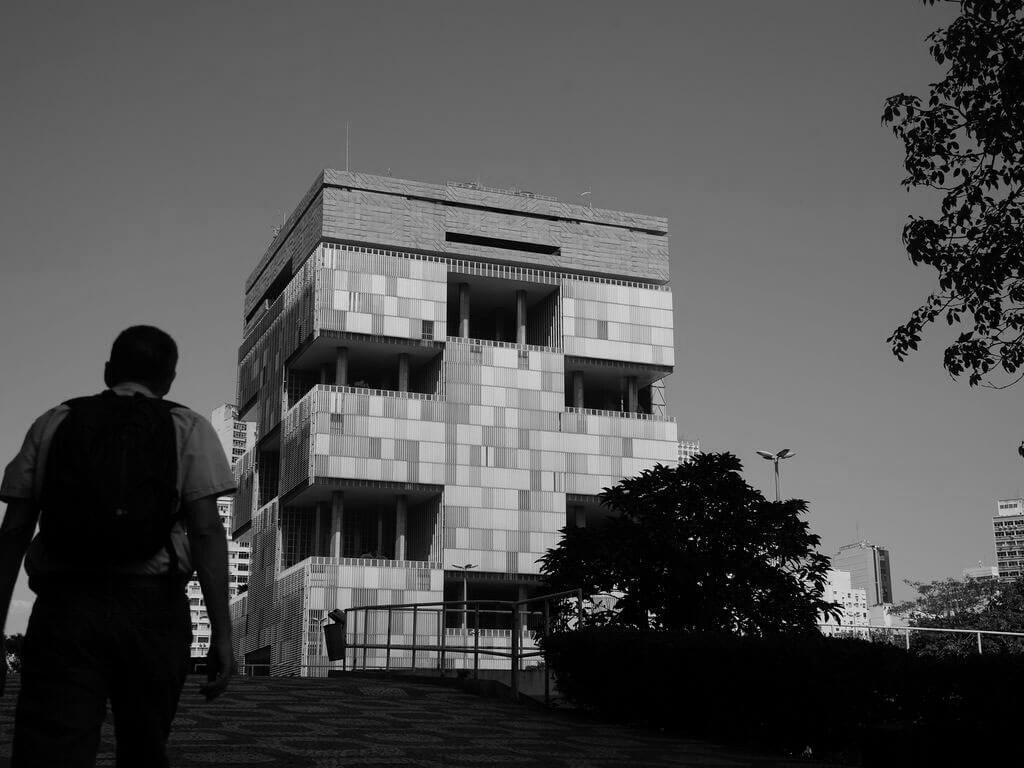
{"points": [[973, 604], [966, 140], [694, 547]]}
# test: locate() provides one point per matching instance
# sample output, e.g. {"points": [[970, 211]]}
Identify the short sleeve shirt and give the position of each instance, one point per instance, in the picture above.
{"points": [[203, 470]]}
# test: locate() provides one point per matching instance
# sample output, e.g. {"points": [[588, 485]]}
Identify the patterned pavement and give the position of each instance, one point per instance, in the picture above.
{"points": [[356, 722]]}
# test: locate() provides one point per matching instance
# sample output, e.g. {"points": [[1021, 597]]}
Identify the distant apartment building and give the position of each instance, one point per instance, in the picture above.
{"points": [[236, 437], [687, 450], [1008, 533], [870, 569], [980, 572], [852, 605], [443, 375]]}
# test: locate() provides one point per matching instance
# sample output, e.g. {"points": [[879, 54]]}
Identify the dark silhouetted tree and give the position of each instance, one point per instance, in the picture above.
{"points": [[966, 141], [693, 547]]}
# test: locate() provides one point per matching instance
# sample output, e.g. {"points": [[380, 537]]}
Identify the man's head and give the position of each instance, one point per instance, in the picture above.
{"points": [[142, 354]]}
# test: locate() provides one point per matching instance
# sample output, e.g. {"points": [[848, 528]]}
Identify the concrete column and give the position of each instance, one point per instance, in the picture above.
{"points": [[341, 367], [499, 324], [325, 371], [403, 372], [318, 530], [380, 532], [337, 514], [632, 402], [401, 525], [520, 317], [523, 609], [464, 310], [577, 389]]}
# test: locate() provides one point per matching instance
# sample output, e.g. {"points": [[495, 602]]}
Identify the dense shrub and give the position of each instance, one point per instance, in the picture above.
{"points": [[842, 697]]}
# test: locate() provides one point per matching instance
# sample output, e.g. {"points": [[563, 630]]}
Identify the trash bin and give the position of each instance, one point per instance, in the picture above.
{"points": [[334, 636]]}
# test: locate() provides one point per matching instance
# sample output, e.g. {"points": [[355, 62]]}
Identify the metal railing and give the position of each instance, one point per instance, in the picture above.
{"points": [[350, 633], [865, 632], [618, 414]]}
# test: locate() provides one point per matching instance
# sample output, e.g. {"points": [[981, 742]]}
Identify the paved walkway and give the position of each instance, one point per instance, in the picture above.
{"points": [[357, 722]]}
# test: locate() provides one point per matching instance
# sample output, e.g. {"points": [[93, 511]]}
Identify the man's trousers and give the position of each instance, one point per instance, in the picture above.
{"points": [[122, 639]]}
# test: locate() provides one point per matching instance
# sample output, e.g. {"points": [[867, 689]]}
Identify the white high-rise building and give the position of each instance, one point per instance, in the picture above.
{"points": [[1008, 533], [853, 605], [236, 437], [688, 449]]}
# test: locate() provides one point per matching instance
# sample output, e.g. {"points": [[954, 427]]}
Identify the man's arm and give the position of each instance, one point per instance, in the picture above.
{"points": [[15, 535], [209, 547]]}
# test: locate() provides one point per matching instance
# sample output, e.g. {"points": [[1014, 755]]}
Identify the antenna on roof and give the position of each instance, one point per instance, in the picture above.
{"points": [[590, 203]]}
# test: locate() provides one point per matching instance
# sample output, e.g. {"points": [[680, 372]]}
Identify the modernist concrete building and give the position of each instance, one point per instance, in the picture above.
{"points": [[443, 375]]}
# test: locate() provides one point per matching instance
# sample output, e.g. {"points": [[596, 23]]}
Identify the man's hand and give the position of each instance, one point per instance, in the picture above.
{"points": [[220, 666]]}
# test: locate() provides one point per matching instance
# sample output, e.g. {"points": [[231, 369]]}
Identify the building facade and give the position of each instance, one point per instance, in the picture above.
{"points": [[687, 450], [870, 569], [853, 606], [981, 572], [443, 375], [1008, 535], [236, 438]]}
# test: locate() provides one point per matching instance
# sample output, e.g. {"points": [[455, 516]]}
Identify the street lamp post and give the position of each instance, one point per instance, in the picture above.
{"points": [[465, 590], [785, 453]]}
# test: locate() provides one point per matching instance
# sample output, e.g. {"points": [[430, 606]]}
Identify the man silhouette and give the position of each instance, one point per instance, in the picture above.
{"points": [[105, 626]]}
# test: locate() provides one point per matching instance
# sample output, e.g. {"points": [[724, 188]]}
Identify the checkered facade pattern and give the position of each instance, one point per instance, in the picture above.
{"points": [[442, 376]]}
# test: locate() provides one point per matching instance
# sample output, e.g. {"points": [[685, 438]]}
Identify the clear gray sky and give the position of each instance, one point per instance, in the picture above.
{"points": [[147, 151]]}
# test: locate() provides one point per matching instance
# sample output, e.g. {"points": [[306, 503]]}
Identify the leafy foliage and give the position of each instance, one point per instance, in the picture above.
{"points": [[841, 700], [694, 548], [967, 142], [986, 604]]}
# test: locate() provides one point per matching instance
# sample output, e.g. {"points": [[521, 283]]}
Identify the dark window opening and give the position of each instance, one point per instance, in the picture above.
{"points": [[496, 242], [275, 289]]}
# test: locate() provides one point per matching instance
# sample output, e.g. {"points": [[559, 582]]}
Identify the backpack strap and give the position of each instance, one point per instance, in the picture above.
{"points": [[172, 554]]}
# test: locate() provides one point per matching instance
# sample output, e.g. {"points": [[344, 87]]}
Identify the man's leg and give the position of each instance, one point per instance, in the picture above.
{"points": [[63, 698], [153, 644]]}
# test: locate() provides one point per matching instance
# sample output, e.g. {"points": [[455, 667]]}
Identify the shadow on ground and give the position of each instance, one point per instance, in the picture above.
{"points": [[355, 722]]}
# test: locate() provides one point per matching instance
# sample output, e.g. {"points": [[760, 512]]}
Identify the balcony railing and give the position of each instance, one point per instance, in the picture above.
{"points": [[376, 392], [503, 344], [620, 414]]}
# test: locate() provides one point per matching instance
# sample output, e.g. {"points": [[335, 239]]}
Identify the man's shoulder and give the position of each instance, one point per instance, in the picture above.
{"points": [[47, 420], [192, 427]]}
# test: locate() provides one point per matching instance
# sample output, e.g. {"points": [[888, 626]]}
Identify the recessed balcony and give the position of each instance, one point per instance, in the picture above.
{"points": [[603, 387]]}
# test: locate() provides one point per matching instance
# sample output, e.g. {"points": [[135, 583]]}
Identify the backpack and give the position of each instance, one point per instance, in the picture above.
{"points": [[109, 495]]}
